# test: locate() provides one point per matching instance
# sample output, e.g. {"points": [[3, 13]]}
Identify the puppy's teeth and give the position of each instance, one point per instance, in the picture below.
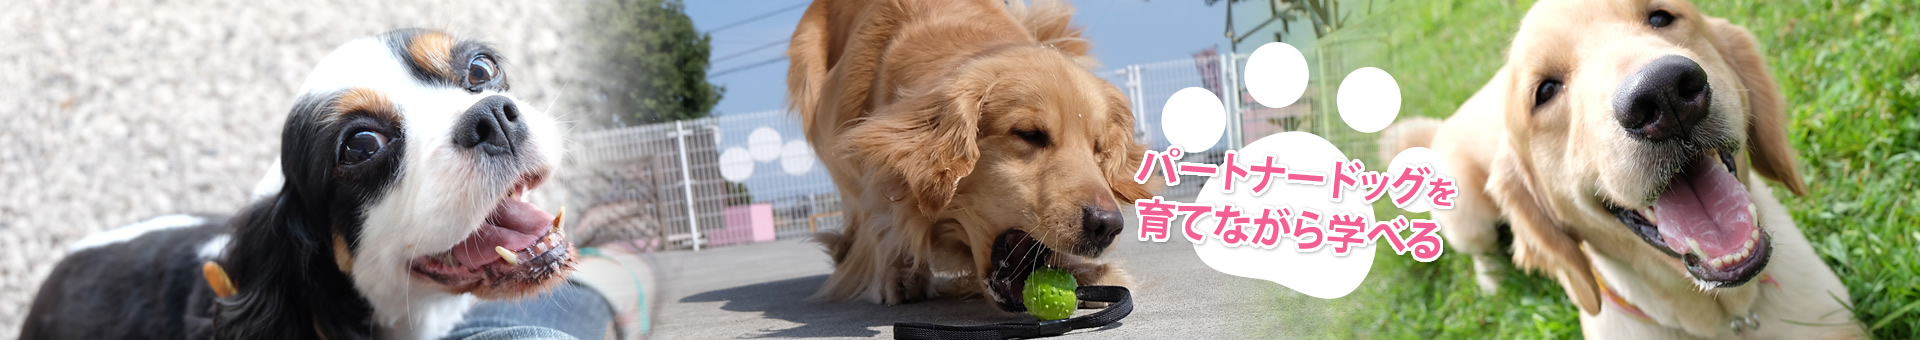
{"points": [[1748, 248], [1695, 246], [1652, 216], [1752, 212], [540, 247], [559, 217], [507, 255], [1755, 235]]}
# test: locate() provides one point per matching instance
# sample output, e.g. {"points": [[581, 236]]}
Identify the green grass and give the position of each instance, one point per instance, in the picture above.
{"points": [[1851, 75]]}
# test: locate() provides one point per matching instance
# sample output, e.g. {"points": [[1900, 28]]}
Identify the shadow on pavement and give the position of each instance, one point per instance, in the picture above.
{"points": [[787, 300]]}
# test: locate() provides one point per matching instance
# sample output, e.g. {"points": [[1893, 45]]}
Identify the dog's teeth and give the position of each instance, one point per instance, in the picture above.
{"points": [[1695, 246], [1752, 212], [559, 217], [507, 255], [540, 247], [1747, 248], [1652, 216], [1717, 262], [1755, 235]]}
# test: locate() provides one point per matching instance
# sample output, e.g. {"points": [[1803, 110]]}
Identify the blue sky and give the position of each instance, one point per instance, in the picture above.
{"points": [[1123, 32]]}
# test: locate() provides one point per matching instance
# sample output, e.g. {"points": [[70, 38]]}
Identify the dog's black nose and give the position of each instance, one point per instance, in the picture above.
{"points": [[1101, 223], [1664, 99], [492, 126]]}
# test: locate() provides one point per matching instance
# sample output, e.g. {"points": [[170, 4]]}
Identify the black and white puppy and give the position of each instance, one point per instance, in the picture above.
{"points": [[400, 200]]}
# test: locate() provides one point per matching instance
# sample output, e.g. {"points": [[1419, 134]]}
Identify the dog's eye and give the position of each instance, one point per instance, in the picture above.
{"points": [[1547, 90], [1036, 137], [1659, 19], [361, 147], [480, 70]]}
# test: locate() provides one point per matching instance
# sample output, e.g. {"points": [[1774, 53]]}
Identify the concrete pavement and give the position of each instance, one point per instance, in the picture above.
{"points": [[760, 291]]}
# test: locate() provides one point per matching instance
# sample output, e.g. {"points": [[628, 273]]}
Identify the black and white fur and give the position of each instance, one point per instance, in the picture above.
{"points": [[449, 157]]}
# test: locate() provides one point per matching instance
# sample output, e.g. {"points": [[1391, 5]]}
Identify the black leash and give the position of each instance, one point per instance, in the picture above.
{"points": [[1122, 305]]}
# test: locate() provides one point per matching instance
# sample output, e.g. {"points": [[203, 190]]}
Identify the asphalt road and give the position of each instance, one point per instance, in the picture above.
{"points": [[760, 291]]}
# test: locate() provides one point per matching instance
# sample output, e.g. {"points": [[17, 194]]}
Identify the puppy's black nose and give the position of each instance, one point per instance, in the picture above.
{"points": [[1099, 223], [492, 126], [1664, 99]]}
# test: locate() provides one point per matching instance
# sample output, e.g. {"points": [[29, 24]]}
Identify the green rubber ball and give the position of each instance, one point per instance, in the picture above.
{"points": [[1049, 294]]}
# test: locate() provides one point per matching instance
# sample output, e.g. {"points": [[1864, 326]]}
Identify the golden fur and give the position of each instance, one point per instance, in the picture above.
{"points": [[1557, 164], [945, 124]]}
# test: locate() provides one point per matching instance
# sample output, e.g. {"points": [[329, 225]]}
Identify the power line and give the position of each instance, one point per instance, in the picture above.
{"points": [[750, 50], [743, 68], [758, 17]]}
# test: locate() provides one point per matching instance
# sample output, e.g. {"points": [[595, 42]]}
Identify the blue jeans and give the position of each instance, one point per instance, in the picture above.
{"points": [[570, 311]]}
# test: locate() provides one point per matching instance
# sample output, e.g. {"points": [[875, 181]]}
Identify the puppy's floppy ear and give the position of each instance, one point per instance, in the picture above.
{"points": [[1767, 117], [1539, 242], [1121, 154], [928, 140]]}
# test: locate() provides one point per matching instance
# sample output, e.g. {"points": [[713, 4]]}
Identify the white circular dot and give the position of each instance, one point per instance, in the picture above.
{"points": [[1369, 99], [1194, 119], [796, 158], [1276, 74], [736, 165], [764, 142]]}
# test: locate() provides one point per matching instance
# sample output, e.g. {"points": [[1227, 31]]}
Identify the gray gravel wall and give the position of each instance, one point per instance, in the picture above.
{"points": [[115, 111]]}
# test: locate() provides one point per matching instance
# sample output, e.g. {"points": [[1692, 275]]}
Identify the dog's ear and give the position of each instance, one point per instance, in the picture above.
{"points": [[1540, 243], [280, 260], [928, 140], [264, 249], [1121, 154], [1771, 153]]}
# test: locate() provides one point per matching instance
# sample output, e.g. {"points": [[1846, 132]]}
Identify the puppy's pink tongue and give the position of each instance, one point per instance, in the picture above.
{"points": [[514, 225], [1706, 204]]}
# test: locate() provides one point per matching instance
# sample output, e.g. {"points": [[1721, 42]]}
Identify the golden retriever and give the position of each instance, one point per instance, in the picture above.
{"points": [[970, 144], [1628, 135]]}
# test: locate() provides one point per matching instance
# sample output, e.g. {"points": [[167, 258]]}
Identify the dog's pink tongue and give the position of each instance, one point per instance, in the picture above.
{"points": [[1708, 205], [515, 225]]}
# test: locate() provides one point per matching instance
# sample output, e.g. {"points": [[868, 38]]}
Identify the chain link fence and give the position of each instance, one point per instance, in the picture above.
{"points": [[753, 178]]}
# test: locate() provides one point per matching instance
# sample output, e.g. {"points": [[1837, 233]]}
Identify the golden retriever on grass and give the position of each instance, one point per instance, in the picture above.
{"points": [[1630, 142], [970, 144]]}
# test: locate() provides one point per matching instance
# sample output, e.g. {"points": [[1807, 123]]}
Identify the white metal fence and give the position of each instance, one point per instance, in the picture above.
{"points": [[752, 177]]}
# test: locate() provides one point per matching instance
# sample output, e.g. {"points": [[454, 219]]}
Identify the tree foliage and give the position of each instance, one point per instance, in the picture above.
{"points": [[661, 61]]}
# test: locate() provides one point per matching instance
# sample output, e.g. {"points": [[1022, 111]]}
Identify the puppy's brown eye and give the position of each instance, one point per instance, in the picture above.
{"points": [[1547, 90], [1036, 137], [1659, 19], [361, 146], [480, 70]]}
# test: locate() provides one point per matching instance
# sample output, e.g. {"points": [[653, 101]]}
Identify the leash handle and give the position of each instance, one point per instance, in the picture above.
{"points": [[1122, 306]]}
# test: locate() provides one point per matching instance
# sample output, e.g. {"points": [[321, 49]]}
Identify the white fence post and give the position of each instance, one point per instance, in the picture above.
{"points": [[1229, 76], [1137, 97], [686, 182]]}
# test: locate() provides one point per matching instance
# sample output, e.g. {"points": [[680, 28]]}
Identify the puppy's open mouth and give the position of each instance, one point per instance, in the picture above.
{"points": [[1705, 218], [518, 245], [1015, 255]]}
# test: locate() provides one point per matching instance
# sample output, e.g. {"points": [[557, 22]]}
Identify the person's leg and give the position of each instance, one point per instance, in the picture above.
{"points": [[569, 309]]}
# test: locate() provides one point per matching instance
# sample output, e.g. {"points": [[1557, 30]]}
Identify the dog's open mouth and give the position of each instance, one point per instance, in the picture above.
{"points": [[1015, 255], [1705, 218], [518, 245]]}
